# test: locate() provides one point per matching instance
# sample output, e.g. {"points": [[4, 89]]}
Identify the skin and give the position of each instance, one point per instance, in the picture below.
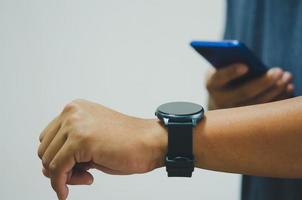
{"points": [[261, 140], [87, 135], [274, 85]]}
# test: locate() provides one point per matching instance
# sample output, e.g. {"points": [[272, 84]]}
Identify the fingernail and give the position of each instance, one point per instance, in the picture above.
{"points": [[290, 87], [286, 77], [241, 69], [275, 73]]}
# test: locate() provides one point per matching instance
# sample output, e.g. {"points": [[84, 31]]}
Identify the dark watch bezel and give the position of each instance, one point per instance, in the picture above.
{"points": [[193, 117]]}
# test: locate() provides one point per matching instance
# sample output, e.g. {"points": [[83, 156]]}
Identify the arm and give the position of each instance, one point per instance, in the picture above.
{"points": [[262, 140], [259, 140]]}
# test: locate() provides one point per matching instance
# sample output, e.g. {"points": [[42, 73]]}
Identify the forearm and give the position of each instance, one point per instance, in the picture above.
{"points": [[262, 140]]}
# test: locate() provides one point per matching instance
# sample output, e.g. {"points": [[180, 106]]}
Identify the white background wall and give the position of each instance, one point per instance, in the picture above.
{"points": [[128, 55]]}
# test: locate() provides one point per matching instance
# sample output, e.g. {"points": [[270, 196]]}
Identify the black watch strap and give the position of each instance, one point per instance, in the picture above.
{"points": [[180, 159]]}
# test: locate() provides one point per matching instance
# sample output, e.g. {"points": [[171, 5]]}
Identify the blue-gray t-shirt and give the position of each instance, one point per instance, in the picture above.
{"points": [[273, 30]]}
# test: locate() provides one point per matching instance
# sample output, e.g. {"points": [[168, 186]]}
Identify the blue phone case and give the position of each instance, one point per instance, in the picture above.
{"points": [[223, 53]]}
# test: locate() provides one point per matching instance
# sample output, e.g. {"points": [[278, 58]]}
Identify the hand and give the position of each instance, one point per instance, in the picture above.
{"points": [[87, 135], [274, 85]]}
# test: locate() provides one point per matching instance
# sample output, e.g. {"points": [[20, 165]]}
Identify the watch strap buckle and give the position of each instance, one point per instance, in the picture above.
{"points": [[180, 166]]}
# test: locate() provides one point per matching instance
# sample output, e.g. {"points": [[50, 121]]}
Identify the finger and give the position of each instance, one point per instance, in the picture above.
{"points": [[50, 126], [223, 76], [290, 89], [48, 135], [45, 172], [273, 94], [53, 148], [279, 88], [288, 86], [289, 93], [79, 177], [252, 88], [59, 168], [76, 177]]}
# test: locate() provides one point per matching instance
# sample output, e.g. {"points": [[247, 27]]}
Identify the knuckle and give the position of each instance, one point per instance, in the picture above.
{"points": [[280, 84], [70, 107], [41, 137], [52, 168], [72, 119], [268, 81], [40, 152], [45, 172], [45, 162], [73, 105]]}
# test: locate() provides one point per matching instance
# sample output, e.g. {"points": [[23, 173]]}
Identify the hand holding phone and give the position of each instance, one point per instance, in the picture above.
{"points": [[269, 85], [224, 53], [274, 85]]}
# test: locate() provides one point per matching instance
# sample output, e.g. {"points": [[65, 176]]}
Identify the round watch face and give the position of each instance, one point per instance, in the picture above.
{"points": [[180, 108]]}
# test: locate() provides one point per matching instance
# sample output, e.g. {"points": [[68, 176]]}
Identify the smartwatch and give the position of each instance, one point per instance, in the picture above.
{"points": [[180, 118]]}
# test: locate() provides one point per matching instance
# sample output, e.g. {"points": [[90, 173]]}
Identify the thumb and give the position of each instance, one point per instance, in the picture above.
{"points": [[78, 177], [223, 76]]}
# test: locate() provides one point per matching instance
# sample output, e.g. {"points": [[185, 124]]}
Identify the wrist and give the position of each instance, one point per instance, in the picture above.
{"points": [[205, 139], [198, 142], [156, 140]]}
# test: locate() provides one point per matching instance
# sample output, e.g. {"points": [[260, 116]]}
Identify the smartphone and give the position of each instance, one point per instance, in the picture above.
{"points": [[224, 53]]}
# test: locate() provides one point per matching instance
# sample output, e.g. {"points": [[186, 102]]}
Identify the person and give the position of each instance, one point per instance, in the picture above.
{"points": [[272, 29], [258, 140]]}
